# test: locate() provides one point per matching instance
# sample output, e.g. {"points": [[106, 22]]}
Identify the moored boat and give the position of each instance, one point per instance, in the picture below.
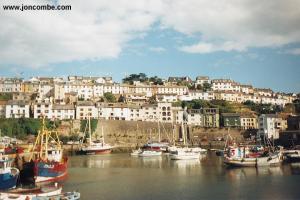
{"points": [[47, 156], [136, 152], [184, 155], [8, 175], [30, 193], [149, 153], [94, 147], [243, 157], [63, 196]]}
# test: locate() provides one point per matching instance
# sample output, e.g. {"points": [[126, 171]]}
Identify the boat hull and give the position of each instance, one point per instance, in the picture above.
{"points": [[50, 171], [34, 193], [253, 162], [150, 154], [9, 180], [93, 151]]}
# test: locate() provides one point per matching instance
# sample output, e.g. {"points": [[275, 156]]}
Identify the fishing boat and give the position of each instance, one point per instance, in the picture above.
{"points": [[47, 157], [243, 157], [94, 147], [31, 193], [150, 153], [8, 175]]}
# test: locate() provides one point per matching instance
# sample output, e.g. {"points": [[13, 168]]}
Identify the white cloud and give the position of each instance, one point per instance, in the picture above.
{"points": [[227, 25], [101, 29], [157, 49], [203, 47], [96, 29]]}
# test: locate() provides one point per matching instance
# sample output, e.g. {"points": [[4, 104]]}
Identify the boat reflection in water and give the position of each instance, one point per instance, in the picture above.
{"points": [[151, 162], [243, 173]]}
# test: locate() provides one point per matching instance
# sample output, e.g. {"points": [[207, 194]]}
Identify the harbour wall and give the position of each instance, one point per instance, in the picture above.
{"points": [[132, 134]]}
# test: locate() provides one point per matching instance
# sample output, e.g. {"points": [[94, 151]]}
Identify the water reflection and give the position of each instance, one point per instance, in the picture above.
{"points": [[151, 162], [124, 177]]}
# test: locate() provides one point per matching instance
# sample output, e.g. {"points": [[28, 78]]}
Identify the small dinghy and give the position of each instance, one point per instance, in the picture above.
{"points": [[30, 193]]}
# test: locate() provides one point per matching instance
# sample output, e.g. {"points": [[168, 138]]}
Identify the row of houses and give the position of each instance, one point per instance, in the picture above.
{"points": [[93, 88], [269, 125], [266, 124], [162, 112]]}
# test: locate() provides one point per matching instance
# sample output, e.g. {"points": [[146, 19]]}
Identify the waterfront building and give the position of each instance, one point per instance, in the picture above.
{"points": [[42, 109], [85, 110], [195, 117], [17, 109], [248, 121], [211, 118], [231, 120], [270, 125], [62, 112]]}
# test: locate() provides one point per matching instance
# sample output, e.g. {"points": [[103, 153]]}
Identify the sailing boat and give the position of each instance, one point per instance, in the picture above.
{"points": [[94, 147], [157, 146], [184, 153], [47, 157]]}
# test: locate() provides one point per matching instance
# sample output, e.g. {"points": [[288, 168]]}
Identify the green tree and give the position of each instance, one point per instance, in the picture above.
{"points": [[206, 87], [5, 96], [177, 103], [135, 77], [156, 80], [84, 125], [109, 97]]}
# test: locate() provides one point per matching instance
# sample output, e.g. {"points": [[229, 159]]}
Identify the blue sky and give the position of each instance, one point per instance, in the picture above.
{"points": [[163, 38]]}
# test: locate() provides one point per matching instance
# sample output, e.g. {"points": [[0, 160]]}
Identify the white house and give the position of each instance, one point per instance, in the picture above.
{"points": [[269, 125], [85, 109], [63, 111], [17, 109]]}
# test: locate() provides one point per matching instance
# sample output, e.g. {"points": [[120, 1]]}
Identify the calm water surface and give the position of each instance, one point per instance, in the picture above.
{"points": [[119, 176]]}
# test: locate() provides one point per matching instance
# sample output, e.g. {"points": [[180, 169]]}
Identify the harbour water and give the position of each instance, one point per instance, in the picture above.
{"points": [[120, 176]]}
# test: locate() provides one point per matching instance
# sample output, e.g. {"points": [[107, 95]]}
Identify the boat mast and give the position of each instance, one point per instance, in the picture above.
{"points": [[173, 134], [183, 134], [102, 134], [158, 130], [46, 135], [90, 131]]}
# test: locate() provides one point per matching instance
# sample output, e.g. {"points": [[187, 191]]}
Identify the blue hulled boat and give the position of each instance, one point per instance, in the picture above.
{"points": [[8, 175]]}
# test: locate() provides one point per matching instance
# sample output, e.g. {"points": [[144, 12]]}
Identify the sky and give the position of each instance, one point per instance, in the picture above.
{"points": [[251, 41]]}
